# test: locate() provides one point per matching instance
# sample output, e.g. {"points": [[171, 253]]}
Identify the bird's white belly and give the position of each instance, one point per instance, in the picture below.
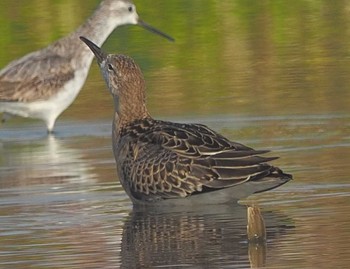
{"points": [[48, 110], [56, 104]]}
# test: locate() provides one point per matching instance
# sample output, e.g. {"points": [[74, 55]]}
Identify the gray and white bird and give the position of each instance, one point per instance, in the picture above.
{"points": [[161, 162], [42, 84]]}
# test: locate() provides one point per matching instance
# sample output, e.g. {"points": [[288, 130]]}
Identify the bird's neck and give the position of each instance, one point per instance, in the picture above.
{"points": [[99, 25], [97, 28], [129, 110]]}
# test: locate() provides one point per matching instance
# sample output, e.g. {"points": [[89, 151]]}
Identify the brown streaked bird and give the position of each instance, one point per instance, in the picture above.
{"points": [[44, 83], [159, 162]]}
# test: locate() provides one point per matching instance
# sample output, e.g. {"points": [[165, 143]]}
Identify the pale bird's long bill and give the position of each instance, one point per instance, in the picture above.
{"points": [[154, 30]]}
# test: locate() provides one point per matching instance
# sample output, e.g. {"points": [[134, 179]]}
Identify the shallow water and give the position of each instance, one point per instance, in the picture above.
{"points": [[61, 204], [265, 75]]}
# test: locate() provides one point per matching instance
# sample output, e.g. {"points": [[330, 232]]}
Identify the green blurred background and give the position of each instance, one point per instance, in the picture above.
{"points": [[230, 57]]}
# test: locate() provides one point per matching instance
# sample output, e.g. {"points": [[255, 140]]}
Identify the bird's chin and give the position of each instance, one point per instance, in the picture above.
{"points": [[105, 76]]}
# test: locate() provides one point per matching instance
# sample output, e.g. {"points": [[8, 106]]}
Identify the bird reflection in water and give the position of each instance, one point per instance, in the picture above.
{"points": [[206, 236]]}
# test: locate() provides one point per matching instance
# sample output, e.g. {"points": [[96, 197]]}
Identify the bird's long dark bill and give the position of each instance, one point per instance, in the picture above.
{"points": [[154, 30], [99, 54]]}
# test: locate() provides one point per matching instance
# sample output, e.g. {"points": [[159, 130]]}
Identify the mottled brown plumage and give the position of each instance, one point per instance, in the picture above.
{"points": [[160, 161]]}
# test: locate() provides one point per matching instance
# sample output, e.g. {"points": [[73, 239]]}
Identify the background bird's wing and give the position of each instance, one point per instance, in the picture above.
{"points": [[36, 76], [176, 160]]}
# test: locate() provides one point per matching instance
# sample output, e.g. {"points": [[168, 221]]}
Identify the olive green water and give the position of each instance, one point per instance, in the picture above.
{"points": [[269, 74]]}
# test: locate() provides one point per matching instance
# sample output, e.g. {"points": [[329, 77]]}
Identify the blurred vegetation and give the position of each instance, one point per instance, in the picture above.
{"points": [[230, 57]]}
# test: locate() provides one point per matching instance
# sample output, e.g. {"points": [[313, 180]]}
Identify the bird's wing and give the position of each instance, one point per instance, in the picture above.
{"points": [[177, 160], [36, 76]]}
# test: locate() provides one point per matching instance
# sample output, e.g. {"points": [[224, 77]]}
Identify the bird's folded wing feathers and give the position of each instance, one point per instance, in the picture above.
{"points": [[176, 161], [34, 77]]}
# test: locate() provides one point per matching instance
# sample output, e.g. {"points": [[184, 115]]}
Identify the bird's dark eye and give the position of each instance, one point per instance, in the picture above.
{"points": [[110, 67], [130, 9]]}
